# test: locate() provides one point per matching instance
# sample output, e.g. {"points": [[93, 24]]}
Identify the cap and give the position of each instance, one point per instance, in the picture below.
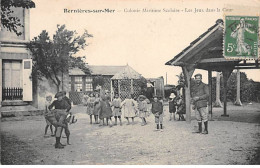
{"points": [[198, 75], [58, 94]]}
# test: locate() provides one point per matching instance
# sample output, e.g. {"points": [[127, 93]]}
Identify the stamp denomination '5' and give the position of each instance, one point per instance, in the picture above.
{"points": [[241, 37]]}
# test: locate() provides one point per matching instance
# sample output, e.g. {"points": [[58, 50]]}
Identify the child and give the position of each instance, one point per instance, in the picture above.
{"points": [[172, 105], [105, 110], [90, 106], [129, 106], [180, 107], [116, 109], [157, 110], [142, 108], [47, 103], [96, 107]]}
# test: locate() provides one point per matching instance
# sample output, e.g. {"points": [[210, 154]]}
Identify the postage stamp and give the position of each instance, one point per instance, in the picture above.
{"points": [[241, 37]]}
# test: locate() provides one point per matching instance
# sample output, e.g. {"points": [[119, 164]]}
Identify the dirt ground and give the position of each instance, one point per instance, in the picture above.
{"points": [[231, 140]]}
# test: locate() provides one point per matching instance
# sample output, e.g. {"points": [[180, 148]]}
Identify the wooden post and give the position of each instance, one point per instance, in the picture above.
{"points": [[238, 101], [111, 90], [187, 74], [118, 83], [83, 83], [226, 74], [132, 89], [210, 93], [218, 102]]}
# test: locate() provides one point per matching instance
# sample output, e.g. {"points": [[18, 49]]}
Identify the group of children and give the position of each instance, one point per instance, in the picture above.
{"points": [[102, 108]]}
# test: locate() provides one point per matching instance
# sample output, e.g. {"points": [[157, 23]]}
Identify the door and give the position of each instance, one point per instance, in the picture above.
{"points": [[27, 79], [12, 80]]}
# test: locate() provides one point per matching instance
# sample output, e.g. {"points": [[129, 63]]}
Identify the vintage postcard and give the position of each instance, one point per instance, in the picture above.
{"points": [[127, 82]]}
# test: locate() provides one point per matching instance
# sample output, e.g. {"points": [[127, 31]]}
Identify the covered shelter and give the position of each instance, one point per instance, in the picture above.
{"points": [[206, 53], [126, 82]]}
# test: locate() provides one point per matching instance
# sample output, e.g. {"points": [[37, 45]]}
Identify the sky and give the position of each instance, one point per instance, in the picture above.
{"points": [[143, 40]]}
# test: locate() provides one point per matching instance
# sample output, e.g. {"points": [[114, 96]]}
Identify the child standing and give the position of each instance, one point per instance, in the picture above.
{"points": [[47, 103], [129, 107], [90, 106], [105, 111], [142, 108], [96, 107], [116, 109], [172, 105], [157, 110]]}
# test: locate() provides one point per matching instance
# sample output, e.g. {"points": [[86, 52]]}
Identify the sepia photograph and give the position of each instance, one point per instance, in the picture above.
{"points": [[130, 82]]}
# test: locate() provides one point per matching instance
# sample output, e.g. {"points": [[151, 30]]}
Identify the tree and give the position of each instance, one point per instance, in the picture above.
{"points": [[10, 22], [53, 58]]}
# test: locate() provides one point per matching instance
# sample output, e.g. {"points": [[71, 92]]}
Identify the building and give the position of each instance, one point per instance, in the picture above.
{"points": [[16, 65], [115, 79]]}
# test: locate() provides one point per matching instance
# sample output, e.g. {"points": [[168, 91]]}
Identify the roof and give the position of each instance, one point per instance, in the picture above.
{"points": [[127, 73], [105, 70], [98, 70], [76, 71], [195, 44]]}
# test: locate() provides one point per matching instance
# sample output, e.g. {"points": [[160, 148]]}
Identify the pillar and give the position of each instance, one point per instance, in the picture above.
{"points": [[226, 74], [187, 71], [218, 102], [238, 101], [210, 93]]}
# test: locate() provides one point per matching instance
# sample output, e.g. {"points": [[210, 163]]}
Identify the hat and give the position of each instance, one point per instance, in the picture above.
{"points": [[58, 94], [141, 97], [198, 74]]}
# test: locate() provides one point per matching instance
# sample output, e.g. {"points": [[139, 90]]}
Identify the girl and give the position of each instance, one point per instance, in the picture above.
{"points": [[143, 109], [96, 107], [105, 110], [90, 106], [116, 109], [130, 108]]}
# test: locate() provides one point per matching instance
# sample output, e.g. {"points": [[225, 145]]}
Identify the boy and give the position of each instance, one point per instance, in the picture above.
{"points": [[47, 103], [157, 110]]}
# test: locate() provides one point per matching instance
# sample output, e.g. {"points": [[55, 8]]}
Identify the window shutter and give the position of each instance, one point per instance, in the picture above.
{"points": [[27, 80]]}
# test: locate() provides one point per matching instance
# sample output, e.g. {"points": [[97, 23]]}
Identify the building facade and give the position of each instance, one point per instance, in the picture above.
{"points": [[16, 63]]}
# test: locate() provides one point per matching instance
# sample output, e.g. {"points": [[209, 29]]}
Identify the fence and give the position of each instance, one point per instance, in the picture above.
{"points": [[77, 97], [12, 93]]}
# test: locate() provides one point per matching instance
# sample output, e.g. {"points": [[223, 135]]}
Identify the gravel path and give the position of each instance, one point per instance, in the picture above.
{"points": [[232, 140]]}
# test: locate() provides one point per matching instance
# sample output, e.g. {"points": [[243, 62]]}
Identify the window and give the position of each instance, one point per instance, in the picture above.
{"points": [[88, 79], [78, 87], [78, 79], [89, 87]]}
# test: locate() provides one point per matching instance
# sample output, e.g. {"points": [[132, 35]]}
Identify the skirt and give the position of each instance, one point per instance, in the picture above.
{"points": [[117, 112]]}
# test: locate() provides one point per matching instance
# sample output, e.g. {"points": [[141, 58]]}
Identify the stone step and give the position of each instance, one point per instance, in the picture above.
{"points": [[15, 111]]}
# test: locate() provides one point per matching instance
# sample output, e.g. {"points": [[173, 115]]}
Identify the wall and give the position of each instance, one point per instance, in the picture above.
{"points": [[46, 87]]}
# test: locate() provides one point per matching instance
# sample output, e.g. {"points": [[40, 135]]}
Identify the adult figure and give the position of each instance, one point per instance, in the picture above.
{"points": [[200, 96], [150, 90], [62, 110]]}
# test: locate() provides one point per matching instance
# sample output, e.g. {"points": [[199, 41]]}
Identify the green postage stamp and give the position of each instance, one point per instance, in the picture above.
{"points": [[241, 37]]}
